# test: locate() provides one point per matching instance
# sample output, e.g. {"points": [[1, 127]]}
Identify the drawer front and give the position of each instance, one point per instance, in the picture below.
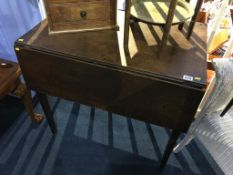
{"points": [[80, 11], [70, 1], [64, 1], [80, 15]]}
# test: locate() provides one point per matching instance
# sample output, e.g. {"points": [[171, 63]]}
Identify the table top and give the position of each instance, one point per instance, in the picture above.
{"points": [[156, 11], [181, 60]]}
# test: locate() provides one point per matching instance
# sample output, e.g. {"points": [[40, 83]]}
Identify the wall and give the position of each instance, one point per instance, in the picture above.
{"points": [[16, 18]]}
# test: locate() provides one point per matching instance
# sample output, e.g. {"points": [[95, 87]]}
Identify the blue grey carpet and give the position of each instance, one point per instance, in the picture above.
{"points": [[94, 142], [10, 108]]}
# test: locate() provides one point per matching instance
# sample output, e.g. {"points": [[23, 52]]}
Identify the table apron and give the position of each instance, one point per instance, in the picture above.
{"points": [[152, 100]]}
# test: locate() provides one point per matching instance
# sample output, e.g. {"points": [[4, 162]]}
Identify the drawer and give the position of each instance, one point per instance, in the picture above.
{"points": [[71, 1], [80, 11], [67, 1], [80, 15]]}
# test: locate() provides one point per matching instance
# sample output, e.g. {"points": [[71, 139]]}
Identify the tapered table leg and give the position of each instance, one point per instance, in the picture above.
{"points": [[167, 26], [170, 145], [126, 26], [48, 113], [194, 18], [227, 108], [22, 92], [181, 26]]}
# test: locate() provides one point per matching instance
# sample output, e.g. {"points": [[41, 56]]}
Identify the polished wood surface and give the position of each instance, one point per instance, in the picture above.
{"points": [[10, 83], [80, 15], [181, 56], [88, 68], [9, 75], [118, 91], [178, 58]]}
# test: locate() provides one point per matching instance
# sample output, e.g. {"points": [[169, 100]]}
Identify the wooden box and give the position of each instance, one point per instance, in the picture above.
{"points": [[80, 15]]}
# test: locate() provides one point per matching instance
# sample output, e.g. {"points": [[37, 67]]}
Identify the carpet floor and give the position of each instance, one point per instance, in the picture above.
{"points": [[91, 141]]}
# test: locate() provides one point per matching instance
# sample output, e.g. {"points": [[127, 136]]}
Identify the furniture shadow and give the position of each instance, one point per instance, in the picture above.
{"points": [[93, 141]]}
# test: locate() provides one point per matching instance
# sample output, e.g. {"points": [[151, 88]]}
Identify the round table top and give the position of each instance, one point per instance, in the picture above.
{"points": [[155, 11]]}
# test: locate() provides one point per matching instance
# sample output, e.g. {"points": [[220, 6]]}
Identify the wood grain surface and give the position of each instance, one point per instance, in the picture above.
{"points": [[86, 67], [80, 15]]}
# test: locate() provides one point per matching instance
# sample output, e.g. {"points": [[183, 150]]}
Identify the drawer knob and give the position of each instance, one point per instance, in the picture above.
{"points": [[83, 14]]}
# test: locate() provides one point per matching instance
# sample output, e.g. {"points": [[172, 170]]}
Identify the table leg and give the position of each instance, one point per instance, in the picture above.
{"points": [[22, 92], [48, 113], [167, 26], [181, 25], [170, 145], [127, 24], [227, 108], [194, 18]]}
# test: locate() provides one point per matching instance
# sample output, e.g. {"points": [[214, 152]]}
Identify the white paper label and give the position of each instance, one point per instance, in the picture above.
{"points": [[188, 77]]}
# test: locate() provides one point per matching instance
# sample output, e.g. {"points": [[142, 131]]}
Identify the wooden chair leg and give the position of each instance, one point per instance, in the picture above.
{"points": [[127, 24], [22, 92]]}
